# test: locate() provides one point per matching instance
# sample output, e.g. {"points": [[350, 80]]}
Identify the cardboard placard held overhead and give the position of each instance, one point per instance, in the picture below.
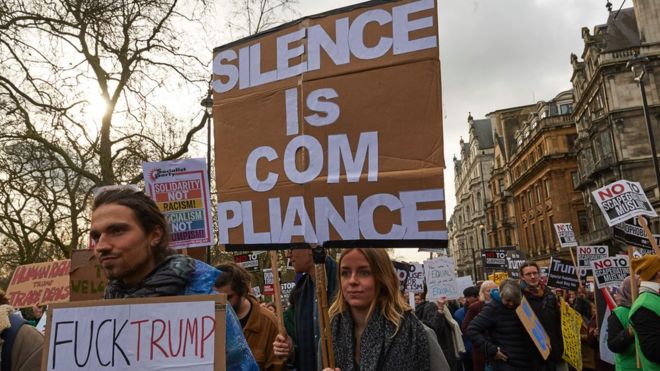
{"points": [[146, 333], [565, 235], [631, 233], [611, 271], [494, 258], [440, 279], [39, 284], [561, 274], [87, 278], [329, 128], [623, 200], [534, 328], [587, 254], [181, 191]]}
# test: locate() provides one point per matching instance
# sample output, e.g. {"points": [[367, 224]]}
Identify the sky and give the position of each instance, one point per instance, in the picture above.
{"points": [[497, 54]]}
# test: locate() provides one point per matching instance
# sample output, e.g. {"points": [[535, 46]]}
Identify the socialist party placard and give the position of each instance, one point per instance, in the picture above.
{"points": [[329, 128], [181, 191]]}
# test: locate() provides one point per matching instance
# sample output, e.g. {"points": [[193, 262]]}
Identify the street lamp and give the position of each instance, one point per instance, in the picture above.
{"points": [[207, 103], [638, 67]]}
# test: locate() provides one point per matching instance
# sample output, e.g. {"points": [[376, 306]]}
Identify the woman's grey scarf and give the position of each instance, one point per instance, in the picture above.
{"points": [[408, 350]]}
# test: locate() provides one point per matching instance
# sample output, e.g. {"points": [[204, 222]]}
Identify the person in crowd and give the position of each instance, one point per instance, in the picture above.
{"points": [[21, 345], [588, 332], [470, 295], [620, 338], [433, 317], [545, 305], [478, 356], [259, 323], [497, 330], [373, 328], [570, 298], [131, 239], [302, 347], [645, 311]]}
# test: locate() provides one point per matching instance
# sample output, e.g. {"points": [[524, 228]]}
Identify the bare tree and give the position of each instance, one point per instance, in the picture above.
{"points": [[250, 17]]}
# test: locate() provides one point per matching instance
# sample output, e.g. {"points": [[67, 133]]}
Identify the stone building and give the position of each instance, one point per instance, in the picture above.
{"points": [[542, 165], [612, 138], [502, 229], [468, 224]]}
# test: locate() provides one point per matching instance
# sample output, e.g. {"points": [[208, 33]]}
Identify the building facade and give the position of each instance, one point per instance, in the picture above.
{"points": [[467, 233], [612, 141]]}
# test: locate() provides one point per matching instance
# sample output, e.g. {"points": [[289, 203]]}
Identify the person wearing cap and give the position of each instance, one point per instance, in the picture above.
{"points": [[645, 311]]}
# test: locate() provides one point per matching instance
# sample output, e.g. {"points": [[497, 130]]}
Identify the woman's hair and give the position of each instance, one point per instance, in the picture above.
{"points": [[510, 290], [146, 212], [482, 289], [388, 297]]}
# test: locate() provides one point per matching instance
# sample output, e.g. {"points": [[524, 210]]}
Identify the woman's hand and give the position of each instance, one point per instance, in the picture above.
{"points": [[282, 346], [500, 356]]}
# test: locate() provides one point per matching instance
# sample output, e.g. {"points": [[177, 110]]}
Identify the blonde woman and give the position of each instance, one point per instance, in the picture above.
{"points": [[373, 328]]}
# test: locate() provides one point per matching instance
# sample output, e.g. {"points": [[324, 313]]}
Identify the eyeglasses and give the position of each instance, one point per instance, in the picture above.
{"points": [[530, 274]]}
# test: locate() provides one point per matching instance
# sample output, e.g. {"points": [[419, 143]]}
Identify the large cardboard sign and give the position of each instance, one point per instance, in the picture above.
{"points": [[329, 128], [610, 272], [587, 254], [534, 328], [622, 200], [514, 260], [39, 284], [571, 322], [463, 283], [416, 278], [631, 233], [561, 274], [565, 234], [494, 258], [181, 190], [440, 279], [188, 332], [87, 278]]}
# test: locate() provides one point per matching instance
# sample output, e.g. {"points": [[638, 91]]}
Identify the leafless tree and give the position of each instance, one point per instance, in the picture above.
{"points": [[250, 17]]}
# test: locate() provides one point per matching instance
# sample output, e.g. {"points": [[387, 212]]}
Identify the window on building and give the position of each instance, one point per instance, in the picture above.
{"points": [[537, 189], [570, 141], [543, 233], [606, 144], [522, 203], [565, 109], [500, 184], [576, 179], [529, 198], [478, 205], [583, 222], [528, 239], [507, 236], [546, 185], [551, 228]]}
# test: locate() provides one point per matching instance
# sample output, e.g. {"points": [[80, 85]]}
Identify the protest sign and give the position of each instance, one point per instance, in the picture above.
{"points": [[565, 234], [87, 278], [623, 200], [181, 191], [571, 322], [631, 233], [610, 272], [256, 291], [39, 284], [286, 287], [498, 277], [463, 283], [494, 258], [514, 260], [534, 327], [561, 274], [325, 157], [587, 254], [416, 278], [440, 279], [248, 261], [402, 270], [147, 334], [269, 289]]}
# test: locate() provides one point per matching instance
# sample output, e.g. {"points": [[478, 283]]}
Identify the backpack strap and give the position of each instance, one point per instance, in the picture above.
{"points": [[8, 336]]}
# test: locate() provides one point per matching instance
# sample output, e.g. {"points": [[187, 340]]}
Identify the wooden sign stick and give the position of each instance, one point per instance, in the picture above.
{"points": [[277, 295], [322, 301], [633, 290], [577, 270], [649, 235]]}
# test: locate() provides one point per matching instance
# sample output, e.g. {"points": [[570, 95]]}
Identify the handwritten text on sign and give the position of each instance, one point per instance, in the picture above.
{"points": [[622, 200], [440, 278], [571, 321], [326, 157], [39, 284], [135, 336]]}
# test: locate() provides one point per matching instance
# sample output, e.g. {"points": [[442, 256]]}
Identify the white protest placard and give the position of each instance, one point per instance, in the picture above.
{"points": [[463, 283], [269, 289], [587, 254], [325, 156], [440, 279], [142, 334], [622, 200], [610, 272], [565, 234], [416, 278], [181, 191]]}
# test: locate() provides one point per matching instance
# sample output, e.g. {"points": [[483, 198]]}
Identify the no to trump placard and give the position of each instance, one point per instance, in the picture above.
{"points": [[440, 279], [329, 128], [565, 234], [610, 272], [181, 190], [142, 334], [39, 284], [622, 200]]}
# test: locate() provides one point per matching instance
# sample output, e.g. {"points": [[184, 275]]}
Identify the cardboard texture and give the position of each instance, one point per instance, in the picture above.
{"points": [[39, 284], [87, 278], [219, 363], [534, 328], [335, 143]]}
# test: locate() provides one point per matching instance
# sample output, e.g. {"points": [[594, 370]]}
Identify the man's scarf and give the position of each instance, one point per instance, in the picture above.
{"points": [[530, 291], [169, 278]]}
